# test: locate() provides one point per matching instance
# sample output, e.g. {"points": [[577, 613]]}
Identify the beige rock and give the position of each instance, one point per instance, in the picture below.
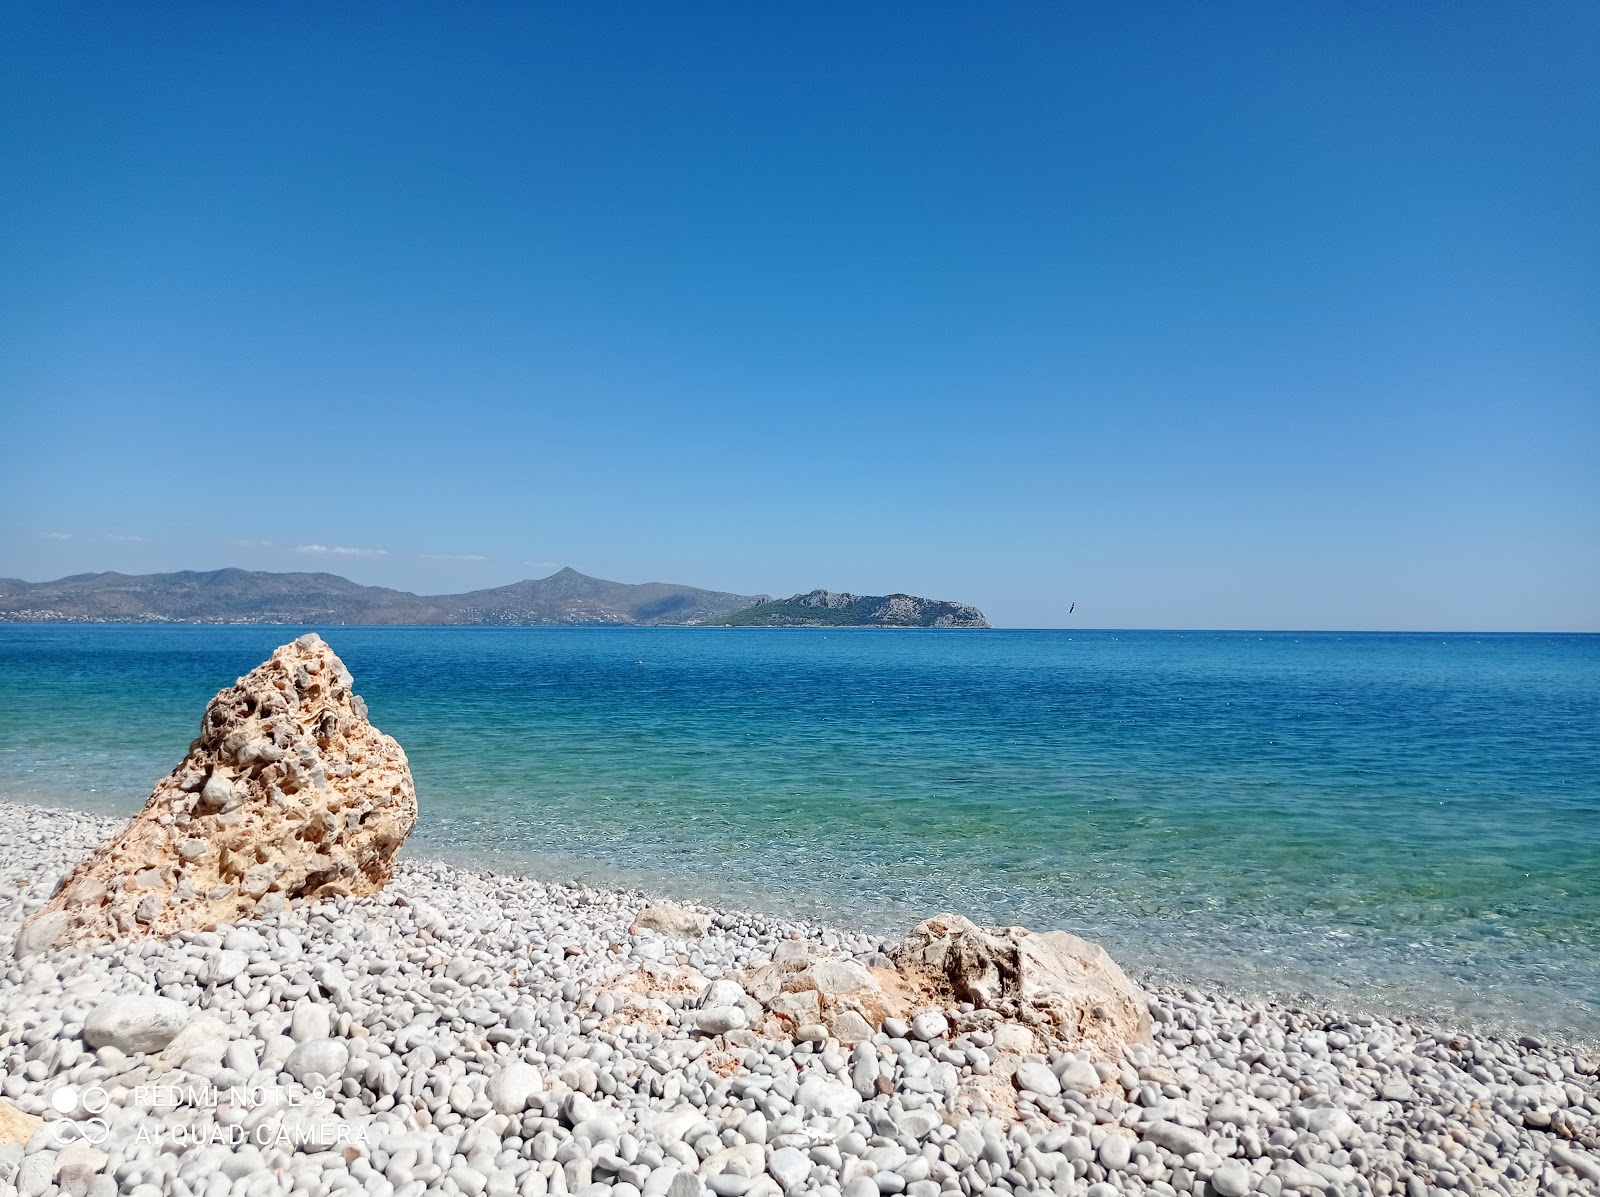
{"points": [[1051, 989], [1068, 990], [675, 922], [288, 793], [802, 1009], [848, 1026], [1013, 1037], [831, 991], [15, 1126]]}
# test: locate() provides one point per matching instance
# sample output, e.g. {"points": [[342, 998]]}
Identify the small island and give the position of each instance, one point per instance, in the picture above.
{"points": [[828, 609]]}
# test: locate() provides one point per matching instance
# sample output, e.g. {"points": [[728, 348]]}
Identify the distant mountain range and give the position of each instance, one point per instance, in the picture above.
{"points": [[565, 597], [251, 596], [825, 609]]}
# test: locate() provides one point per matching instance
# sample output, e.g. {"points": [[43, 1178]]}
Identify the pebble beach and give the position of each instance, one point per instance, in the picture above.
{"points": [[463, 1032]]}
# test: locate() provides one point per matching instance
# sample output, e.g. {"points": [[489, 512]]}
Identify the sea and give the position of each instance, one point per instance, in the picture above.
{"points": [[1402, 824]]}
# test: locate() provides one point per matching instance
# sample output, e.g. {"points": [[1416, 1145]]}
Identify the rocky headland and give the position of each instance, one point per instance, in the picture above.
{"points": [[827, 608], [405, 1027]]}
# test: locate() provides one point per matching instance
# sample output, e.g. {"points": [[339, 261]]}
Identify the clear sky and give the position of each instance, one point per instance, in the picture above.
{"points": [[1199, 315]]}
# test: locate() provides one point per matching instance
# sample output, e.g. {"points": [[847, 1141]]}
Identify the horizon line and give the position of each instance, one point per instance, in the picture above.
{"points": [[694, 627]]}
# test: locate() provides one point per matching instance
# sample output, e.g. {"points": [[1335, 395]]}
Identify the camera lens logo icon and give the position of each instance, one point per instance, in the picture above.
{"points": [[69, 1100]]}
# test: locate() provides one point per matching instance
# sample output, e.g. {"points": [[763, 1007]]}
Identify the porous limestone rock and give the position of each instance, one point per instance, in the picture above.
{"points": [[1051, 988], [1067, 989], [838, 993], [673, 921], [288, 793]]}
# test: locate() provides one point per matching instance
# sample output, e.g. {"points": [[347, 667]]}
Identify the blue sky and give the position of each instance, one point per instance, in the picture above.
{"points": [[1224, 315]]}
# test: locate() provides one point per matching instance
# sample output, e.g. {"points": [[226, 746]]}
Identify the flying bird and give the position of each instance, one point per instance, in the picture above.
{"points": [[1072, 608]]}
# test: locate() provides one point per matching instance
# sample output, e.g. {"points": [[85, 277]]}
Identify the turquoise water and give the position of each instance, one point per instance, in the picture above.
{"points": [[1393, 822]]}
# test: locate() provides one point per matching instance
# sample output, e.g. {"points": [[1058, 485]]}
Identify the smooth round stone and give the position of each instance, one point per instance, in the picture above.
{"points": [[1115, 1152], [468, 1179], [722, 992], [828, 1098], [754, 1127], [326, 1056], [1231, 1179], [217, 792], [930, 1025], [1180, 1140], [136, 1023], [789, 1166], [1076, 1148], [1079, 1076], [1335, 1120], [243, 939], [1037, 1078], [597, 1130], [577, 1108], [509, 1089], [311, 1020], [719, 1020]]}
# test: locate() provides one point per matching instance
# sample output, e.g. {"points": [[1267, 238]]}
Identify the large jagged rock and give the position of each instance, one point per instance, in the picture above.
{"points": [[288, 793], [1067, 989]]}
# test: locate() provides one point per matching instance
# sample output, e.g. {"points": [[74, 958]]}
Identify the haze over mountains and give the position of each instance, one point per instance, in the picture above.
{"points": [[253, 596]]}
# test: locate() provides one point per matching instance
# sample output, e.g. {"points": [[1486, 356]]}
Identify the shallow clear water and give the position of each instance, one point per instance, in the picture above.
{"points": [[1395, 822]]}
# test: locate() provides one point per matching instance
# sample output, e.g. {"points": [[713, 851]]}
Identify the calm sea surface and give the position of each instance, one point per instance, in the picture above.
{"points": [[1390, 822]]}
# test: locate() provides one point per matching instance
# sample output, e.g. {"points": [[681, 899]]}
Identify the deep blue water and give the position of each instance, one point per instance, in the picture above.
{"points": [[1399, 822]]}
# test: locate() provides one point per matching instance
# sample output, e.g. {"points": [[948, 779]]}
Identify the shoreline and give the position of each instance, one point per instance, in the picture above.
{"points": [[890, 921], [453, 984]]}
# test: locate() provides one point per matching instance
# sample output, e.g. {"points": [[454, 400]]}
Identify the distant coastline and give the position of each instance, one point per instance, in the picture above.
{"points": [[565, 598]]}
